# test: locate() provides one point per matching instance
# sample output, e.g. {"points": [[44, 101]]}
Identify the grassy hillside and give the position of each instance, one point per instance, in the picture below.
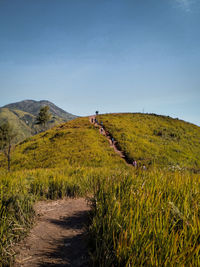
{"points": [[149, 138], [22, 115], [18, 119], [33, 107], [76, 143]]}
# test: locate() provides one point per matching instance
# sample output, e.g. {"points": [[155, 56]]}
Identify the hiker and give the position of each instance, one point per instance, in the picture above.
{"points": [[101, 123], [112, 140], [101, 130], [91, 120], [144, 167], [135, 163]]}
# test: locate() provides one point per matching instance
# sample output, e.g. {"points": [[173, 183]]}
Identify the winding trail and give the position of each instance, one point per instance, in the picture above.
{"points": [[109, 137], [58, 237]]}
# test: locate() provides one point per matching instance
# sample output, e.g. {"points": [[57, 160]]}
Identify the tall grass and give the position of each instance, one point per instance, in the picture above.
{"points": [[20, 189], [16, 211], [148, 219], [64, 161]]}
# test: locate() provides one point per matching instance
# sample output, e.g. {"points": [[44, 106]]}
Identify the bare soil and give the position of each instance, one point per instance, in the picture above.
{"points": [[58, 237]]}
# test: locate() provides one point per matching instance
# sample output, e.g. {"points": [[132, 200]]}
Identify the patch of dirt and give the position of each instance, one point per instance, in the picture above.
{"points": [[58, 237]]}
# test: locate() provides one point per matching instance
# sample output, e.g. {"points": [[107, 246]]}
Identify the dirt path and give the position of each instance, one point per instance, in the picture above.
{"points": [[108, 136], [58, 237]]}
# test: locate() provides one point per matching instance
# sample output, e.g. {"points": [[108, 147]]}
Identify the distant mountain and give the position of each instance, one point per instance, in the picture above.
{"points": [[22, 115], [33, 107]]}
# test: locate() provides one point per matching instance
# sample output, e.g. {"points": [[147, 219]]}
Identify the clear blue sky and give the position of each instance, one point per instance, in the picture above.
{"points": [[106, 55]]}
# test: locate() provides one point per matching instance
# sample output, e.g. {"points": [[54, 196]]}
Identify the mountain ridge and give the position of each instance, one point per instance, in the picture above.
{"points": [[33, 107]]}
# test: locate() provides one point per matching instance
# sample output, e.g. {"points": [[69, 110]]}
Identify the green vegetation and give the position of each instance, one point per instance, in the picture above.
{"points": [[33, 107], [7, 136], [19, 191], [18, 119], [148, 219], [139, 217], [153, 139], [16, 211], [76, 143], [22, 115], [64, 161], [43, 117]]}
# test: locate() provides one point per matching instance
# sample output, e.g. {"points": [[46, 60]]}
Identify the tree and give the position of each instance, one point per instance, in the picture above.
{"points": [[7, 136], [43, 116], [97, 112]]}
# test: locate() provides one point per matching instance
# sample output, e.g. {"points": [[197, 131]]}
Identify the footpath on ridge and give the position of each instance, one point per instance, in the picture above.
{"points": [[104, 132], [58, 237]]}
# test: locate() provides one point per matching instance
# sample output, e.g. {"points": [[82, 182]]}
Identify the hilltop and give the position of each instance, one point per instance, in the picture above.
{"points": [[22, 115]]}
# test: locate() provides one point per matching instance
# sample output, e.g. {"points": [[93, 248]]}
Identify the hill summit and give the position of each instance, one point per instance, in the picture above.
{"points": [[33, 107]]}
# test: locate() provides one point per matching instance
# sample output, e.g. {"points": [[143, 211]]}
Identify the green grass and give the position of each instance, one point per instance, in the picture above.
{"points": [[148, 219], [15, 118], [24, 123], [149, 139], [20, 189], [75, 143]]}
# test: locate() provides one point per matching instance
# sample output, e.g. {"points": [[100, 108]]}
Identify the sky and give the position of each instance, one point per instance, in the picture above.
{"points": [[106, 55]]}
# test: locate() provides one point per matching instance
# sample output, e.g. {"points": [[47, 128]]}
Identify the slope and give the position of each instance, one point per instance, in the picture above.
{"points": [[22, 122], [150, 138], [22, 115], [75, 143], [33, 107]]}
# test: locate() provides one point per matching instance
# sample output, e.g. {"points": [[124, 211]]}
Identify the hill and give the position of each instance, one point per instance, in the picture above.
{"points": [[147, 138], [19, 121], [33, 107], [150, 138], [74, 143], [22, 115]]}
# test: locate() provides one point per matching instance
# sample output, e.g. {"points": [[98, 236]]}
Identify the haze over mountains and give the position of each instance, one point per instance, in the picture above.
{"points": [[22, 115]]}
